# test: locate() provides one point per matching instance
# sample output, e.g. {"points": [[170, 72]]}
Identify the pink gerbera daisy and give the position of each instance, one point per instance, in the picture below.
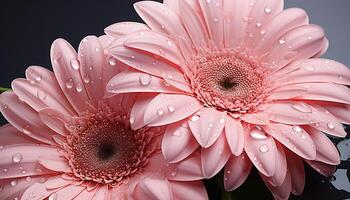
{"points": [[65, 141], [243, 80]]}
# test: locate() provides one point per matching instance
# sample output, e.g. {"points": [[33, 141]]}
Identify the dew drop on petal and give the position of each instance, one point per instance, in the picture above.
{"points": [[13, 183], [171, 108], [309, 37], [264, 148], [112, 61], [258, 24], [282, 41], [331, 125], [177, 133], [86, 79], [257, 134], [195, 118], [74, 63], [145, 79], [28, 179], [297, 129], [97, 49], [268, 10], [17, 158], [340, 76], [79, 87], [53, 197], [69, 83], [302, 107], [26, 130], [309, 68], [303, 136], [160, 112]]}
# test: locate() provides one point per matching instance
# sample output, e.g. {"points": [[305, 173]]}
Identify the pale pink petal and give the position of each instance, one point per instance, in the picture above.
{"points": [[157, 44], [40, 190], [101, 193], [261, 149], [234, 135], [135, 81], [85, 195], [188, 190], [236, 171], [324, 48], [24, 118], [153, 188], [279, 25], [281, 167], [169, 108], [138, 110], [325, 149], [296, 168], [259, 118], [161, 19], [287, 92], [188, 169], [92, 59], [172, 4], [283, 191], [193, 22], [215, 157], [322, 168], [106, 41], [65, 65], [294, 138], [123, 28], [27, 169], [340, 111], [69, 192], [54, 120], [178, 142], [46, 80], [207, 125], [55, 164], [214, 19], [10, 135]]}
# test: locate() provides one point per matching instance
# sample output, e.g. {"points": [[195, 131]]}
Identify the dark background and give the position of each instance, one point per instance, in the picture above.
{"points": [[28, 27]]}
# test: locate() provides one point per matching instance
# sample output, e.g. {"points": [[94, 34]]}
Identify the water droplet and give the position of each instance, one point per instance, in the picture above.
{"points": [[132, 57], [112, 61], [262, 32], [165, 12], [86, 79], [264, 148], [17, 158], [282, 41], [29, 179], [228, 172], [85, 40], [332, 178], [257, 134], [97, 49], [38, 78], [297, 129], [26, 130], [340, 76], [174, 172], [1, 147], [217, 4], [210, 125], [163, 27], [171, 108], [24, 171], [220, 152], [195, 118], [145, 79], [13, 183], [74, 63], [303, 136], [69, 83], [222, 120], [309, 37], [302, 107], [258, 24], [331, 125], [160, 112], [170, 44], [177, 133], [53, 196], [268, 10], [208, 1], [79, 87], [309, 68], [216, 19]]}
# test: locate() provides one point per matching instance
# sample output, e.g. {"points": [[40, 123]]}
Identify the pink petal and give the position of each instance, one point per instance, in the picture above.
{"points": [[261, 149], [236, 171], [27, 169], [280, 192], [24, 118], [259, 118], [214, 20], [215, 157], [134, 81], [188, 190], [152, 188], [69, 192], [287, 92], [297, 171], [161, 19], [188, 169], [45, 79], [92, 59], [194, 24], [55, 164], [294, 138], [172, 4], [169, 108], [235, 135], [54, 120], [322, 168], [324, 48], [123, 28], [157, 44], [207, 125], [178, 142], [325, 149], [10, 135], [280, 24], [281, 167], [85, 195], [340, 111], [138, 110], [101, 193]]}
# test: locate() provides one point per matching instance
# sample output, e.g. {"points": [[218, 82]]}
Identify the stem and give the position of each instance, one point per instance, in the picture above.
{"points": [[226, 195], [2, 89]]}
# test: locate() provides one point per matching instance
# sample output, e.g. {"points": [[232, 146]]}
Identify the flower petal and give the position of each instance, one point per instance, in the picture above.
{"points": [[55, 164], [65, 65], [138, 110], [207, 125], [261, 149], [178, 142], [280, 192], [54, 120], [27, 169], [188, 169], [281, 167], [169, 108], [296, 168], [294, 138], [123, 28], [152, 188], [340, 111], [287, 92], [188, 190], [10, 135], [101, 193], [85, 195], [235, 135], [259, 118], [322, 168], [69, 192], [215, 157], [236, 171]]}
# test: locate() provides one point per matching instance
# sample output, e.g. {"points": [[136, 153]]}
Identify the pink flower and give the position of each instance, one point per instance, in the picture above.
{"points": [[65, 141], [242, 80]]}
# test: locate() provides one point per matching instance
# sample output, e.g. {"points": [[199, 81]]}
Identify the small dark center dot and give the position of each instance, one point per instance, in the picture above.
{"points": [[227, 84], [106, 151]]}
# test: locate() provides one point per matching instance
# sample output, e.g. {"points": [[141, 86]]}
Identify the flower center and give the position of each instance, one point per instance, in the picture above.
{"points": [[226, 82], [103, 148]]}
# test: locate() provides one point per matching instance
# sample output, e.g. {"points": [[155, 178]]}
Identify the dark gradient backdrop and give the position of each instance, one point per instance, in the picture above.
{"points": [[28, 28]]}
